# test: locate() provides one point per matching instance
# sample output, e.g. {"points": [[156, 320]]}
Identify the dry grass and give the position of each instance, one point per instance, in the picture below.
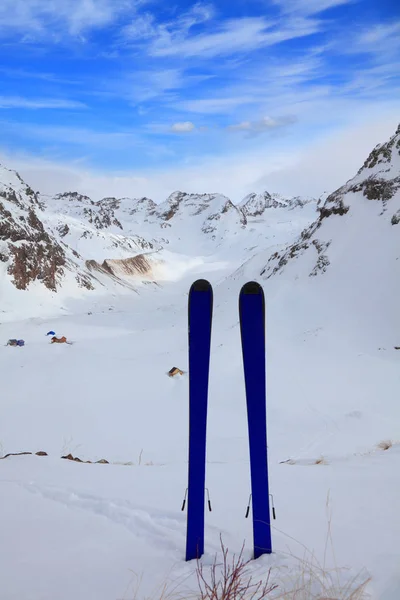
{"points": [[385, 444], [314, 580], [305, 579]]}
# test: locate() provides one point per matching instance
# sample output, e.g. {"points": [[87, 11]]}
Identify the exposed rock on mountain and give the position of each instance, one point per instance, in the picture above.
{"points": [[254, 205], [26, 248], [138, 266], [210, 207]]}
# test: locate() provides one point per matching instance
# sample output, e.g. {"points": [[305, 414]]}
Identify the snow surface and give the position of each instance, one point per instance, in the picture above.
{"points": [[92, 531], [116, 531]]}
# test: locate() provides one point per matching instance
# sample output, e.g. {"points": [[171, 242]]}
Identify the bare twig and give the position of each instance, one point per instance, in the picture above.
{"points": [[231, 580]]}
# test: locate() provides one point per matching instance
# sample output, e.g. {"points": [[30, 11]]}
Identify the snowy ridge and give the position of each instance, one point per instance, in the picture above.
{"points": [[374, 191], [254, 205], [99, 245]]}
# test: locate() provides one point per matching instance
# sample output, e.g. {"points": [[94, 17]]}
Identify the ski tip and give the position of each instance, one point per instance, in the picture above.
{"points": [[251, 287], [201, 285]]}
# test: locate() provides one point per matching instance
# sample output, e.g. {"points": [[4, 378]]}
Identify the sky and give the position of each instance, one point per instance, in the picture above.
{"points": [[144, 97]]}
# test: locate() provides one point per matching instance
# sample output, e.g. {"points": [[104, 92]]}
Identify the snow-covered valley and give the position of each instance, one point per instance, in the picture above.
{"points": [[331, 276]]}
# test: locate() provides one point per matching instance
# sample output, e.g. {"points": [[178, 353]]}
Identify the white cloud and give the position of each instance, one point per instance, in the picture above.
{"points": [[39, 103], [380, 41], [185, 127], [264, 124], [377, 34], [215, 105], [235, 35], [18, 73], [324, 164], [144, 26], [147, 85], [52, 18], [79, 136], [308, 7], [328, 162]]}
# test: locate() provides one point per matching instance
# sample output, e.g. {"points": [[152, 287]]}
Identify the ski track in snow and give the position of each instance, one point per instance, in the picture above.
{"points": [[162, 529]]}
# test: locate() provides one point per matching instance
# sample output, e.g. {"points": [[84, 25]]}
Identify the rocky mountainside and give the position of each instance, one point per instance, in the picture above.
{"points": [[374, 192], [27, 251]]}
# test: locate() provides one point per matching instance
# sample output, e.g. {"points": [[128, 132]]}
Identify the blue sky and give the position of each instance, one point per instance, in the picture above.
{"points": [[144, 89]]}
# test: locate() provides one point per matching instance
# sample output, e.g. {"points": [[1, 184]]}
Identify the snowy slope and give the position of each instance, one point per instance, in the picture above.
{"points": [[351, 252]]}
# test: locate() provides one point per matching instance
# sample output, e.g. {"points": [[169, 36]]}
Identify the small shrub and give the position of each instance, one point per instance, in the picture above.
{"points": [[231, 580]]}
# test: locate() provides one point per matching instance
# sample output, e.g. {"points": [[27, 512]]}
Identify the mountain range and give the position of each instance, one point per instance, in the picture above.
{"points": [[69, 243], [50, 240]]}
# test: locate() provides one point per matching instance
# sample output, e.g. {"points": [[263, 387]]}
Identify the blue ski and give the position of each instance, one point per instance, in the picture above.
{"points": [[252, 329], [200, 324]]}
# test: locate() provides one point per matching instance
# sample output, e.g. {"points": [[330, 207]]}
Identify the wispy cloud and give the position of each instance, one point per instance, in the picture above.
{"points": [[39, 103], [234, 35], [299, 169], [18, 73], [75, 136], [309, 7], [263, 125], [145, 26], [379, 33], [378, 40], [35, 18], [216, 105]]}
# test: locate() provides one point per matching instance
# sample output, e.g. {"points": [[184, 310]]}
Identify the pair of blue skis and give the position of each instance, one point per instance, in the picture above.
{"points": [[252, 328]]}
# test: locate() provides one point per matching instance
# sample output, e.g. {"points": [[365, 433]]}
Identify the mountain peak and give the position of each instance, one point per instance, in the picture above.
{"points": [[74, 197], [377, 180], [254, 205], [383, 157]]}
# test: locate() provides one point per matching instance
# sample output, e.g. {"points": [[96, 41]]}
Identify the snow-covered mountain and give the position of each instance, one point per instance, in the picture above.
{"points": [[29, 252], [123, 242], [72, 242], [352, 248], [254, 205], [367, 203]]}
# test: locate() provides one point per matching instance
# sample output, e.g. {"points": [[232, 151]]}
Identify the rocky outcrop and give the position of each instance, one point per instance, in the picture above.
{"points": [[383, 154], [254, 205], [30, 252], [144, 205], [137, 266], [73, 197], [396, 218]]}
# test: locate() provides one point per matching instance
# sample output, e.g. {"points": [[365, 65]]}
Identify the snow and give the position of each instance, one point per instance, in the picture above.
{"points": [[116, 531], [108, 396]]}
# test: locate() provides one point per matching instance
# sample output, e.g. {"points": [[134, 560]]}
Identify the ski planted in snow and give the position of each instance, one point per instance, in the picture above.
{"points": [[252, 330], [200, 323]]}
